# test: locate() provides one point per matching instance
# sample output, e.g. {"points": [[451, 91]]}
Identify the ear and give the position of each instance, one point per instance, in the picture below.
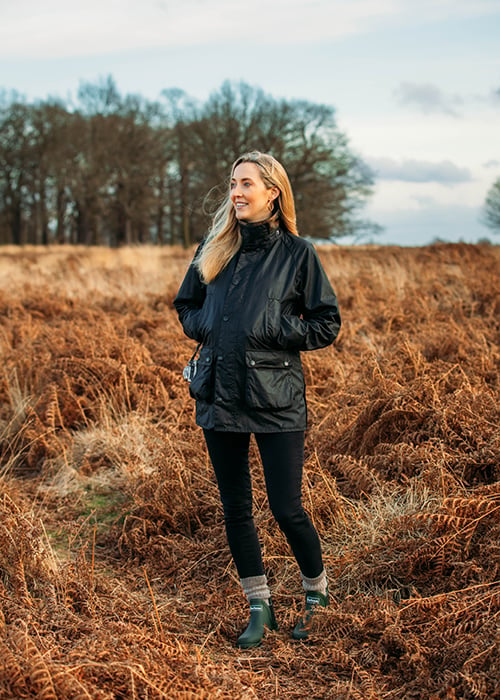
{"points": [[274, 192]]}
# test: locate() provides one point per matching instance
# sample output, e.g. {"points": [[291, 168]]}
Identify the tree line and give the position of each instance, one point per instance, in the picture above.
{"points": [[116, 169]]}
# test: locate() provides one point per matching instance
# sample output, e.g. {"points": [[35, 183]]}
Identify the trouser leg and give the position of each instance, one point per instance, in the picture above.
{"points": [[229, 456], [283, 458]]}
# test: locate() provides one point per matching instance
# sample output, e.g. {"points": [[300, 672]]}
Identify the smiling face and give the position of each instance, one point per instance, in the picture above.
{"points": [[250, 196]]}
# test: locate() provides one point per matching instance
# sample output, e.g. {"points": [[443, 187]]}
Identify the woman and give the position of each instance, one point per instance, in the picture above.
{"points": [[254, 296]]}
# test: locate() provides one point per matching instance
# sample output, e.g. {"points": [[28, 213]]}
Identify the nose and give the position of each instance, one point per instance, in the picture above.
{"points": [[236, 191]]}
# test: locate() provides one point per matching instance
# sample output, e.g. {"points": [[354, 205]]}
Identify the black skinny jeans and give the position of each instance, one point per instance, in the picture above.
{"points": [[282, 457]]}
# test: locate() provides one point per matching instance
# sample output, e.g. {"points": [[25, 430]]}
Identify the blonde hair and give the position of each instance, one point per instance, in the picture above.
{"points": [[224, 238]]}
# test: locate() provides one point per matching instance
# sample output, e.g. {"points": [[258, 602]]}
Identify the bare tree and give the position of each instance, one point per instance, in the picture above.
{"points": [[119, 169], [491, 209], [16, 161], [329, 181]]}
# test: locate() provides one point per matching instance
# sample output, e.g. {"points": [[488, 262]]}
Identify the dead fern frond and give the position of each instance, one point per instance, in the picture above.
{"points": [[37, 668], [102, 460]]}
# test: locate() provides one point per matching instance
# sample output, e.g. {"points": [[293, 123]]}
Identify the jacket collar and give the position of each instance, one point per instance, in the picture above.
{"points": [[259, 235]]}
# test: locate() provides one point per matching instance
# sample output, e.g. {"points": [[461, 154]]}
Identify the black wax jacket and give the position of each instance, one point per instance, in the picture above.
{"points": [[272, 301]]}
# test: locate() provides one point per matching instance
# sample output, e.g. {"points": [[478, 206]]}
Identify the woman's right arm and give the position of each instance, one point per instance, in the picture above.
{"points": [[189, 301]]}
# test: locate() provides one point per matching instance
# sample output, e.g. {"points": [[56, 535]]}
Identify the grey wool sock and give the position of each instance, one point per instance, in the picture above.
{"points": [[319, 583], [256, 587]]}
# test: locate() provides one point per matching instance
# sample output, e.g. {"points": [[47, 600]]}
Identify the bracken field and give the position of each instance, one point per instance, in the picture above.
{"points": [[115, 576]]}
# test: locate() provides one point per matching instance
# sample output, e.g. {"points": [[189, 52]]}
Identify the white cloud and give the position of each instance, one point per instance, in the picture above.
{"points": [[494, 97], [411, 170], [54, 27], [472, 141], [429, 98], [30, 28], [397, 195]]}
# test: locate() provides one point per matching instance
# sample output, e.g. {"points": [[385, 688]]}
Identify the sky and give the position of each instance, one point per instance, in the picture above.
{"points": [[415, 85]]}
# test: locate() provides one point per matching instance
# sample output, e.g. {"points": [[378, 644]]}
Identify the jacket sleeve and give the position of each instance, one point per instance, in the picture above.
{"points": [[319, 321], [189, 301]]}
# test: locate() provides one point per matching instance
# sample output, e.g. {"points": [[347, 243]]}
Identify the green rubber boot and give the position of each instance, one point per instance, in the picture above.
{"points": [[313, 600], [261, 614]]}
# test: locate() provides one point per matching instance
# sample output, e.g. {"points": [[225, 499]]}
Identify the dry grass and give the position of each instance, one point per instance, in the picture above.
{"points": [[115, 578]]}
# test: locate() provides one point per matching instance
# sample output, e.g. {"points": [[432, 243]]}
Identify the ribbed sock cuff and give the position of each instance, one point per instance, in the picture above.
{"points": [[320, 583], [256, 587]]}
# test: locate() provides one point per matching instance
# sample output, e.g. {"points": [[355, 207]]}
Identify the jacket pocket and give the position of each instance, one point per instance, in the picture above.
{"points": [[201, 386], [263, 324], [269, 384]]}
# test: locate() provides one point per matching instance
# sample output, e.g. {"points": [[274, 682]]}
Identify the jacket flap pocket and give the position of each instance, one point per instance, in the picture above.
{"points": [[206, 356], [269, 382], [268, 359], [201, 387]]}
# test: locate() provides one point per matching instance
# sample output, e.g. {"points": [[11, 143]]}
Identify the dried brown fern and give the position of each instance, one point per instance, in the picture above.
{"points": [[401, 479]]}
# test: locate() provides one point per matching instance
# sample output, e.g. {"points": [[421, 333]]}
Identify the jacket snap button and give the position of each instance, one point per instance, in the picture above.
{"points": [[225, 318], [252, 362], [286, 363]]}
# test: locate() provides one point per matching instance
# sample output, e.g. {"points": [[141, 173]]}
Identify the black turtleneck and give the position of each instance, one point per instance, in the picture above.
{"points": [[261, 234]]}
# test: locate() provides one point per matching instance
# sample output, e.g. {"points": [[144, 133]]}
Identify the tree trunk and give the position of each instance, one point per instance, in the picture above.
{"points": [[16, 223], [82, 225], [44, 224], [186, 229], [160, 212], [60, 205], [171, 210], [128, 230]]}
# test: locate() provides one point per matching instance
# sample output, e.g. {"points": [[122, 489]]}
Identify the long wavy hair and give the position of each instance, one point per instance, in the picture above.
{"points": [[224, 238]]}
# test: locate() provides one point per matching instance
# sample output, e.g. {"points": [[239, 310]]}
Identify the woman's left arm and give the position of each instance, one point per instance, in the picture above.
{"points": [[319, 322]]}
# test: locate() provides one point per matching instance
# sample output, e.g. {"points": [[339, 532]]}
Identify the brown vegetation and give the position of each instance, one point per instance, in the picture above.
{"points": [[115, 578]]}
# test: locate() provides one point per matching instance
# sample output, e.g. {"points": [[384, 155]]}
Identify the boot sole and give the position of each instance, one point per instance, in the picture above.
{"points": [[252, 645], [249, 646]]}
